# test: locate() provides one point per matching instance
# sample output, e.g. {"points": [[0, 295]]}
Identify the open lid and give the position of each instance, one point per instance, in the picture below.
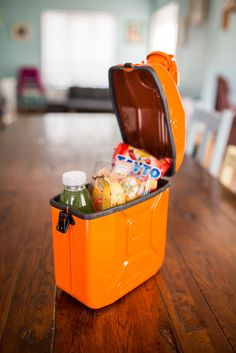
{"points": [[143, 101]]}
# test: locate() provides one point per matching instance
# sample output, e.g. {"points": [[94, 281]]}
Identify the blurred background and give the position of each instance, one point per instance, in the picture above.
{"points": [[54, 57]]}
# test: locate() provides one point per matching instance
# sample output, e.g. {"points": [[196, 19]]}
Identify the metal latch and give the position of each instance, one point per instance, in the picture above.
{"points": [[128, 65], [63, 221]]}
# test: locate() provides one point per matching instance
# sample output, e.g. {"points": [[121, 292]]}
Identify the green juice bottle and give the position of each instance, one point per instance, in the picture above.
{"points": [[75, 193]]}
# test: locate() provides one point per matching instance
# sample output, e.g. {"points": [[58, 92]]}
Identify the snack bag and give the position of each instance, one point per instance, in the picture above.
{"points": [[106, 194], [133, 173], [145, 170], [144, 164], [107, 191]]}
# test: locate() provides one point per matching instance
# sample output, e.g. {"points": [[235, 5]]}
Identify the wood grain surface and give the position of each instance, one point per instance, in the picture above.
{"points": [[189, 306]]}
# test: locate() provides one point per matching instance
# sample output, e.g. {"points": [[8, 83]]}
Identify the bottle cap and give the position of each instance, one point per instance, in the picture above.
{"points": [[74, 178]]}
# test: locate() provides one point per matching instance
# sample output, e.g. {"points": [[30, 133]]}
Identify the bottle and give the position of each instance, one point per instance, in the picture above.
{"points": [[75, 193]]}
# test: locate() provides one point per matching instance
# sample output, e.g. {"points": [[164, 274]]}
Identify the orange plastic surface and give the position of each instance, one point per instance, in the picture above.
{"points": [[149, 108], [99, 260], [166, 70]]}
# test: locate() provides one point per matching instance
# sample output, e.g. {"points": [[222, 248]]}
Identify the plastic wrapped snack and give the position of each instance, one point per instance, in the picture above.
{"points": [[146, 168], [144, 164], [107, 193], [133, 173], [106, 189]]}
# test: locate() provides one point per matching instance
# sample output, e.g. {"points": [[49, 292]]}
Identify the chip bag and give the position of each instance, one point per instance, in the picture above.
{"points": [[144, 166], [133, 173]]}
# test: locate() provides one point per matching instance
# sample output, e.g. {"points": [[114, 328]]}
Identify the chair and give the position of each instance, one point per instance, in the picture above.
{"points": [[30, 91], [223, 102], [228, 172], [189, 105], [209, 123]]}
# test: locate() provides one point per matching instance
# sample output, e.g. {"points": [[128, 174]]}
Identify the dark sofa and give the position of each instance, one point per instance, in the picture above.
{"points": [[83, 99]]}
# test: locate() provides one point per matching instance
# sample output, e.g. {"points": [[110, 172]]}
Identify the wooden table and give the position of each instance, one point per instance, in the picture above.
{"points": [[189, 306]]}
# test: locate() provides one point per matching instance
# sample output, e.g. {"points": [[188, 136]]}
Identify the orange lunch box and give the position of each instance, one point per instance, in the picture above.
{"points": [[99, 257]]}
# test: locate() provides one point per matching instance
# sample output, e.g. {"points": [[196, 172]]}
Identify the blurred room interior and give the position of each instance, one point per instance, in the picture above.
{"points": [[56, 115], [52, 61]]}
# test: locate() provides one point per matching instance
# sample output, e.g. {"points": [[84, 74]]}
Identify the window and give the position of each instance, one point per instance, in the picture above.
{"points": [[164, 28], [77, 48]]}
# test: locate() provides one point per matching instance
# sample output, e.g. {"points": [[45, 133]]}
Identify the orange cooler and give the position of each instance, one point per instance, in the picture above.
{"points": [[100, 257]]}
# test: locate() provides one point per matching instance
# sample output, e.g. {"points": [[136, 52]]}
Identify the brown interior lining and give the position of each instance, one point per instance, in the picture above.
{"points": [[140, 111]]}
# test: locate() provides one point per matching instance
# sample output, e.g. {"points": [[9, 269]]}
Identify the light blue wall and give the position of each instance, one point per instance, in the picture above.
{"points": [[191, 58], [221, 53], [14, 54], [209, 51]]}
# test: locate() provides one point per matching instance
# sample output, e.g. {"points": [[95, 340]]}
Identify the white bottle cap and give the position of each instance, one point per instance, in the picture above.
{"points": [[74, 178]]}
